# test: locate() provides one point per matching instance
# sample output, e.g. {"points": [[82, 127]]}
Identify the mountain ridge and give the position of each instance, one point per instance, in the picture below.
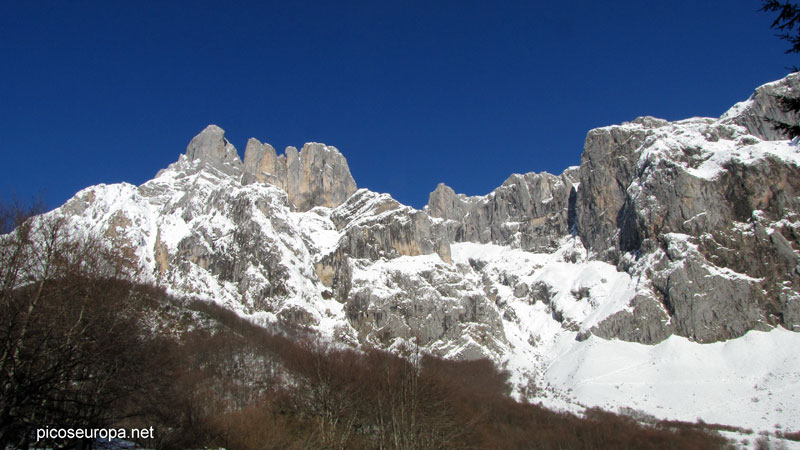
{"points": [[666, 229]]}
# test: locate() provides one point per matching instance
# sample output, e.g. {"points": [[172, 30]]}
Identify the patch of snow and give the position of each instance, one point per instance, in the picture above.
{"points": [[751, 381]]}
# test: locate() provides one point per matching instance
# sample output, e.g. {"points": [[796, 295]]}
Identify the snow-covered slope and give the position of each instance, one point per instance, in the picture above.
{"points": [[660, 275], [751, 381]]}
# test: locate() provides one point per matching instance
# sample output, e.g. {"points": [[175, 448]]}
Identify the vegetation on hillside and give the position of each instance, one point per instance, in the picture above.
{"points": [[83, 346]]}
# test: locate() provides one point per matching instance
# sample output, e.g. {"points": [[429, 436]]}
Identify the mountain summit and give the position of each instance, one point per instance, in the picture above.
{"points": [[669, 239]]}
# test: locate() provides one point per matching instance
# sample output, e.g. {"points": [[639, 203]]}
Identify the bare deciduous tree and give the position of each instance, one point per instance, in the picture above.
{"points": [[70, 336]]}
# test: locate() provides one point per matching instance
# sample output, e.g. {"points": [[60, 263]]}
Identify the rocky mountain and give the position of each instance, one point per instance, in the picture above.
{"points": [[668, 234]]}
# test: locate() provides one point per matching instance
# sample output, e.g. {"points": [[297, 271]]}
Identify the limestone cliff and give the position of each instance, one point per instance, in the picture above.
{"points": [[687, 228], [531, 211], [317, 175]]}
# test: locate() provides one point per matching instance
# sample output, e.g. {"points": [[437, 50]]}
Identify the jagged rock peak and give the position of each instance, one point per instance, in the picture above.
{"points": [[444, 203], [755, 112], [317, 175], [261, 165], [531, 211], [211, 147]]}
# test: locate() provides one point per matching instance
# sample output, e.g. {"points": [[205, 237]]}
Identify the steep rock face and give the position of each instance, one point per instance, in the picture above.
{"points": [[377, 226], [262, 164], [444, 203], [211, 148], [687, 228], [755, 112], [317, 175], [607, 169], [206, 232], [531, 211], [686, 197], [701, 212]]}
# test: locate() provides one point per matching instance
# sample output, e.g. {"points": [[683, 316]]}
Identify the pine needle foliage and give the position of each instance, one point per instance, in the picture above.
{"points": [[788, 25]]}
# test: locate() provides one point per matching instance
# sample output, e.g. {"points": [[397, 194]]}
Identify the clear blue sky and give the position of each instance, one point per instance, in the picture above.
{"points": [[413, 93]]}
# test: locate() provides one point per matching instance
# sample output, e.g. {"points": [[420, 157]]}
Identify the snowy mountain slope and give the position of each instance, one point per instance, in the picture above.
{"points": [[650, 272], [749, 381]]}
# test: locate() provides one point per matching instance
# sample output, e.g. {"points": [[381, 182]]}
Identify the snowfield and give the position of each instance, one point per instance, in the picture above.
{"points": [[751, 382]]}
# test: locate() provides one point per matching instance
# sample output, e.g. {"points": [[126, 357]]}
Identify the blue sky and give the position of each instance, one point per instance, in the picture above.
{"points": [[413, 93]]}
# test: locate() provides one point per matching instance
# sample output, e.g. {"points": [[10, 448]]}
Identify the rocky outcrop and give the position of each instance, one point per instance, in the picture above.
{"points": [[444, 203], [607, 168], [531, 211], [646, 322], [377, 226], [210, 148], [262, 165], [687, 199], [429, 303], [755, 113], [317, 175], [689, 227]]}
